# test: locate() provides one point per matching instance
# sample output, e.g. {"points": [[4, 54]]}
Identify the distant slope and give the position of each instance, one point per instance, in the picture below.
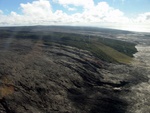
{"points": [[116, 55], [121, 46], [109, 50]]}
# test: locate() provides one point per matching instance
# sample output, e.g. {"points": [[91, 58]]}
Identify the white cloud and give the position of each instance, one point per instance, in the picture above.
{"points": [[1, 12], [40, 8], [144, 18], [61, 17], [40, 13], [102, 12], [70, 8], [85, 4]]}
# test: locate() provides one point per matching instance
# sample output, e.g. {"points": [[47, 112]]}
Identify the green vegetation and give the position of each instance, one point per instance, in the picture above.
{"points": [[109, 50], [121, 46]]}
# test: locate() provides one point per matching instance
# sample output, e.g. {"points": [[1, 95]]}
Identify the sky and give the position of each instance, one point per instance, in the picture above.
{"points": [[131, 15]]}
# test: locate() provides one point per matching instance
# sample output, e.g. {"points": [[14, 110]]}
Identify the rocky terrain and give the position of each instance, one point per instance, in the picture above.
{"points": [[139, 95], [39, 78]]}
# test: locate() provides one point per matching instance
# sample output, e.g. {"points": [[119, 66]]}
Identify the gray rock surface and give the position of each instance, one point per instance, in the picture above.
{"points": [[37, 78]]}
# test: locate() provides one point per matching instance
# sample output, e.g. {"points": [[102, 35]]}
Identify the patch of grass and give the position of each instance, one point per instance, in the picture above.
{"points": [[127, 48], [116, 55], [109, 50], [106, 49]]}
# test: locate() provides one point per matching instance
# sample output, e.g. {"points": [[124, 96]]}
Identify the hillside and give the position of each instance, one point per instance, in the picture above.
{"points": [[55, 72], [110, 50]]}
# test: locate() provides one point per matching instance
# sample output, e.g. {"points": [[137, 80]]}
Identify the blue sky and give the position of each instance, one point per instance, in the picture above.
{"points": [[129, 7], [100, 13]]}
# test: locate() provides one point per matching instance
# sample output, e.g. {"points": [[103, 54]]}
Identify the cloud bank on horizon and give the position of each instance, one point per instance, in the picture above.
{"points": [[100, 14]]}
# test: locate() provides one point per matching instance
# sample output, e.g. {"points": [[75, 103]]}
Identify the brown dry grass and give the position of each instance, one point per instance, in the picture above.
{"points": [[6, 87]]}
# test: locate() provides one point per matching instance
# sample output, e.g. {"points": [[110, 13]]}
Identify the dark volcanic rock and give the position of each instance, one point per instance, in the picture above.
{"points": [[37, 78]]}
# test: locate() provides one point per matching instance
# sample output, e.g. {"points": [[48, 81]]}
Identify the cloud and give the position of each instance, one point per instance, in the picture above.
{"points": [[70, 8], [37, 12], [41, 12], [85, 4], [144, 18], [105, 13], [40, 8], [1, 12]]}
